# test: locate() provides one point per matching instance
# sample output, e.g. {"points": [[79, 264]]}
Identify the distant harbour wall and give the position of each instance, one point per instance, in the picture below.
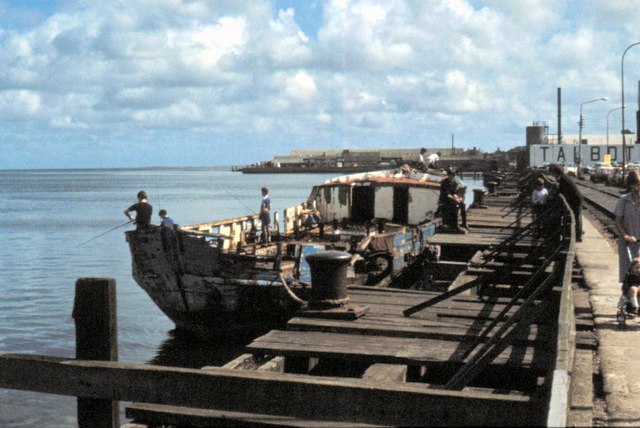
{"points": [[461, 163]]}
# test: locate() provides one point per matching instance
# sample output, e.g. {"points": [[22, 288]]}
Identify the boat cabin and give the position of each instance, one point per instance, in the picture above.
{"points": [[362, 198]]}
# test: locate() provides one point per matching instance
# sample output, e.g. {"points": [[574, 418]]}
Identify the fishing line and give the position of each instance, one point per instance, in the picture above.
{"points": [[104, 233], [237, 199], [157, 190]]}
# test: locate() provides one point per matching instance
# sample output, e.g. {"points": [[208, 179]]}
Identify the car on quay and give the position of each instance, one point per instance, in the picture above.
{"points": [[602, 173]]}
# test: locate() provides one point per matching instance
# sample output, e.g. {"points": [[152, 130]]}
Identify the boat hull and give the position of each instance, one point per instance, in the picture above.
{"points": [[192, 285]]}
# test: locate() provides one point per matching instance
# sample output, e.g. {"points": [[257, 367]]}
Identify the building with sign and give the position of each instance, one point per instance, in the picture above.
{"points": [[546, 149]]}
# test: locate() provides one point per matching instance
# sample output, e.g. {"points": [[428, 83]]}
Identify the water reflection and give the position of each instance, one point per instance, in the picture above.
{"points": [[182, 349]]}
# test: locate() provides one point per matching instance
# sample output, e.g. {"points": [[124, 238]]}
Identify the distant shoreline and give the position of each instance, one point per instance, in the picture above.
{"points": [[132, 168]]}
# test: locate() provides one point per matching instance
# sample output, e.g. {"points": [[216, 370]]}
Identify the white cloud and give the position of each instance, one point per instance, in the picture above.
{"points": [[286, 44], [20, 104], [377, 71], [300, 86], [202, 48]]}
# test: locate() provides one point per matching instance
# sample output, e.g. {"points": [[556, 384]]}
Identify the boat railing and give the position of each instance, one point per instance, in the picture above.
{"points": [[236, 232], [292, 218], [228, 233]]}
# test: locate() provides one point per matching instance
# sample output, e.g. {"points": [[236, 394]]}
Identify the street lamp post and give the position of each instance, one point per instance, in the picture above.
{"points": [[608, 114], [580, 123], [624, 139]]}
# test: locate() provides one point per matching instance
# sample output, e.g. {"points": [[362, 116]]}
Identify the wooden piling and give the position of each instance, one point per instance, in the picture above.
{"points": [[94, 313]]}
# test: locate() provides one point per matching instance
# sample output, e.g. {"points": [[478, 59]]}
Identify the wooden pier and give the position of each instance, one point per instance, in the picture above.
{"points": [[486, 337]]}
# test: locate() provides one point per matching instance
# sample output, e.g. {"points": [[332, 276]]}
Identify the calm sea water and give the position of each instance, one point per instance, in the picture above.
{"points": [[46, 219]]}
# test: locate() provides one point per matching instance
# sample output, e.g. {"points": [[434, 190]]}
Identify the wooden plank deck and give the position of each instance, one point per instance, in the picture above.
{"points": [[389, 350]]}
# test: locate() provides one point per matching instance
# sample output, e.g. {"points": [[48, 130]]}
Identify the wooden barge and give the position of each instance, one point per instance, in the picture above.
{"points": [[216, 279]]}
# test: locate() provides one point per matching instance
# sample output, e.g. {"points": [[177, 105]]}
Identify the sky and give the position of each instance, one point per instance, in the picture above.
{"points": [[129, 83]]}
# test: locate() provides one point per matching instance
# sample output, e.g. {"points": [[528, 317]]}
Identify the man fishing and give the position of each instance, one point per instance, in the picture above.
{"points": [[143, 211], [265, 215]]}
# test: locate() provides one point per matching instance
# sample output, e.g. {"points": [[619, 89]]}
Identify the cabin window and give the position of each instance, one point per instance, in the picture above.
{"points": [[401, 205], [327, 194], [363, 204]]}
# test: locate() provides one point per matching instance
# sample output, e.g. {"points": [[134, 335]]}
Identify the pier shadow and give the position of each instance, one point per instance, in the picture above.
{"points": [[182, 349]]}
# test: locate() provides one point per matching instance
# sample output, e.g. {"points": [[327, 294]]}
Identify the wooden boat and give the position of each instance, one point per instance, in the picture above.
{"points": [[216, 278]]}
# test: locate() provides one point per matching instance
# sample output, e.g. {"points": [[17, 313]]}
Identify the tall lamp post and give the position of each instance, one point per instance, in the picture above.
{"points": [[624, 139], [580, 123], [608, 114]]}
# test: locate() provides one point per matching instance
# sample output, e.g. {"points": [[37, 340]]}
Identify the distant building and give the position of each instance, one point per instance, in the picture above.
{"points": [[546, 149], [354, 157], [360, 160]]}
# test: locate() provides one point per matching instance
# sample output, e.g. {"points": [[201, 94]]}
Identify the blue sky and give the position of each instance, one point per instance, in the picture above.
{"points": [[225, 82]]}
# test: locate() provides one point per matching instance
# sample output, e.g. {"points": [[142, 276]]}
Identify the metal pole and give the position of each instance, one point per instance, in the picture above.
{"points": [[624, 140], [559, 116], [608, 114], [579, 171], [580, 134]]}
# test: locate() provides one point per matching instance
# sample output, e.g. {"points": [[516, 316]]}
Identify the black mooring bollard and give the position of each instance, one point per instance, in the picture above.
{"points": [[478, 199], [94, 313], [328, 279]]}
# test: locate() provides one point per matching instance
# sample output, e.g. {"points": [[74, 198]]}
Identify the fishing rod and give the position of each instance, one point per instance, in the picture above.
{"points": [[104, 233], [237, 199]]}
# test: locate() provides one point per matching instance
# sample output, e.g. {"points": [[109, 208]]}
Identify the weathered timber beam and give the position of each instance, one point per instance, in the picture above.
{"points": [[297, 396], [158, 415]]}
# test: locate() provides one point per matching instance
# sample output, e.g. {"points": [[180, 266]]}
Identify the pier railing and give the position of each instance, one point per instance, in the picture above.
{"points": [[557, 252]]}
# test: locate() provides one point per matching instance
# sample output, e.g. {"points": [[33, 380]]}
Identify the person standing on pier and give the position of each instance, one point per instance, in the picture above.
{"points": [[143, 211], [421, 163], [567, 188], [265, 215], [539, 196], [627, 212], [450, 201]]}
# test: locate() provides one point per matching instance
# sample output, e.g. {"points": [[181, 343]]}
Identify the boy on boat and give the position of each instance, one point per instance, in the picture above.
{"points": [[166, 220], [143, 211], [265, 215]]}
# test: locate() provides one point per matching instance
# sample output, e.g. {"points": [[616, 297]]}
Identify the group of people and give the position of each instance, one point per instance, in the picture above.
{"points": [[430, 162], [560, 184], [144, 212], [627, 223]]}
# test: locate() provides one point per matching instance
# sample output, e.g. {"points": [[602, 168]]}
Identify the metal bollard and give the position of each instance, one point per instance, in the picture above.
{"points": [[478, 199], [328, 279]]}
